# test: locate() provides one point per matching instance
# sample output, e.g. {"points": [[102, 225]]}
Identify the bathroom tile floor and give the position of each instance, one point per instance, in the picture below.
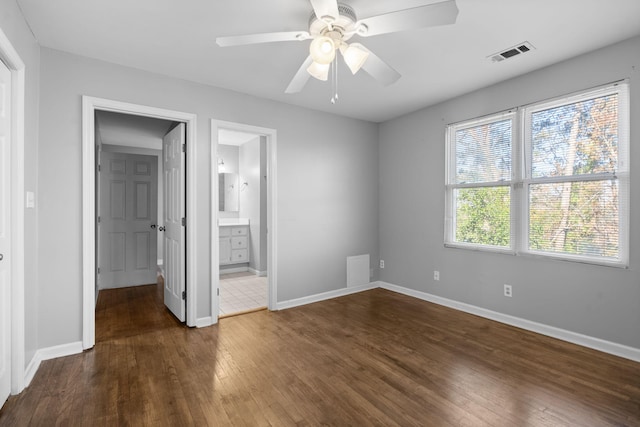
{"points": [[241, 292]]}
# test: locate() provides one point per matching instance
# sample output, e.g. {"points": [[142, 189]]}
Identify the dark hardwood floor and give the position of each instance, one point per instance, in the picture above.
{"points": [[373, 358]]}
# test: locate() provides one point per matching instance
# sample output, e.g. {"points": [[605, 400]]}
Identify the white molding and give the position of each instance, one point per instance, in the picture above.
{"points": [[89, 106], [203, 322], [50, 353], [233, 270], [540, 328], [326, 295], [12, 59], [257, 272], [272, 213]]}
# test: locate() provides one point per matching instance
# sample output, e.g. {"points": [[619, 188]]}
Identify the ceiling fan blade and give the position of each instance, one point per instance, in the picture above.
{"points": [[283, 36], [301, 77], [430, 15], [325, 8], [379, 70]]}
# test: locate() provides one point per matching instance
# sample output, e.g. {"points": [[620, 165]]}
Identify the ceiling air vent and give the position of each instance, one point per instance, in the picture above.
{"points": [[511, 52]]}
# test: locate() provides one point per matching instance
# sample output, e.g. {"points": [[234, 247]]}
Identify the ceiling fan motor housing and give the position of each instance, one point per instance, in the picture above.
{"points": [[344, 25]]}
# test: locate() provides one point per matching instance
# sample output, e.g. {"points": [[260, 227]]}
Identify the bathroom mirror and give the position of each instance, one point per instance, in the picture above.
{"points": [[228, 188]]}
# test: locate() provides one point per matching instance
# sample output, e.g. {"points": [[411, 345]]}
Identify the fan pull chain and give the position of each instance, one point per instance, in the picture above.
{"points": [[334, 80]]}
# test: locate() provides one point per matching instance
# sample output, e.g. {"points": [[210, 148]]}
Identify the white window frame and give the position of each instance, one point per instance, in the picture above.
{"points": [[452, 186], [521, 178]]}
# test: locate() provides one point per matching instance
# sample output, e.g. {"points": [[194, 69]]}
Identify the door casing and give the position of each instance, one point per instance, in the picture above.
{"points": [[12, 60], [89, 106], [272, 213]]}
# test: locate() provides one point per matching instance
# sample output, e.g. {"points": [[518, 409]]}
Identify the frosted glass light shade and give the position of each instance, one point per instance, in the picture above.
{"points": [[322, 50], [319, 71], [355, 55]]}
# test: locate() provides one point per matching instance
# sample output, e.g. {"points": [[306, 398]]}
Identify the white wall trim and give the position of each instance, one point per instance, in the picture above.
{"points": [[89, 106], [272, 211], [50, 353], [203, 322], [257, 272], [10, 57], [326, 295], [540, 328], [234, 270]]}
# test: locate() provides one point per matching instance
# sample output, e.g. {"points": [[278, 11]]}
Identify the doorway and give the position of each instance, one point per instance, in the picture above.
{"points": [[243, 164], [90, 273], [13, 200]]}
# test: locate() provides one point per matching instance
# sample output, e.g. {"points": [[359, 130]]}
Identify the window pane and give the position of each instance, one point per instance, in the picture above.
{"points": [[483, 153], [579, 138], [483, 215], [575, 218]]}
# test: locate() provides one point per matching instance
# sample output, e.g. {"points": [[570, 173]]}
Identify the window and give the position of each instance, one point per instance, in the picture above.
{"points": [[549, 179]]}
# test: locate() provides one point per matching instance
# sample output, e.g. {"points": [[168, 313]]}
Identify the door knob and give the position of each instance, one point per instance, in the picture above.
{"points": [[153, 226], [161, 228]]}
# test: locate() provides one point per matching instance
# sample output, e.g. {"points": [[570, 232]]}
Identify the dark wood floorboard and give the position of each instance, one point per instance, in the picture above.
{"points": [[373, 358]]}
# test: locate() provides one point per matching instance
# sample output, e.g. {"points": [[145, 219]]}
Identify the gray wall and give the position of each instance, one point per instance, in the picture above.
{"points": [[602, 302], [327, 183], [17, 31]]}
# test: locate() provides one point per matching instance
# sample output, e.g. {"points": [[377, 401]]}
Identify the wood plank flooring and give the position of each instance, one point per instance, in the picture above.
{"points": [[373, 358]]}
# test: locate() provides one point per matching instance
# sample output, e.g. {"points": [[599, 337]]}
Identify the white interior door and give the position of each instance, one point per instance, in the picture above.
{"points": [[174, 221], [128, 232], [5, 238]]}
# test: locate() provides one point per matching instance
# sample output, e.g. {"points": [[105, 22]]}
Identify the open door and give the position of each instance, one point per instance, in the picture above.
{"points": [[174, 221], [5, 234]]}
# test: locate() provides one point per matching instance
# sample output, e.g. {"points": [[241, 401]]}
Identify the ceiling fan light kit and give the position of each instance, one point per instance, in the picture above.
{"points": [[319, 71], [322, 50], [332, 24]]}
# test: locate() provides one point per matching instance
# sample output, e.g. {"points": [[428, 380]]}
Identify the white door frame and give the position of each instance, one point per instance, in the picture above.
{"points": [[272, 253], [13, 61], [89, 107]]}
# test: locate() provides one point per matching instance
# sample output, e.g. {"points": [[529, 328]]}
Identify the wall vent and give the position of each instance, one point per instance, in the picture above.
{"points": [[516, 50]]}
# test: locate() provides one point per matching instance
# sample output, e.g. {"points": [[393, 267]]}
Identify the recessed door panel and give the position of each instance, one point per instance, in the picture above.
{"points": [[142, 249], [118, 202], [117, 251], [142, 200]]}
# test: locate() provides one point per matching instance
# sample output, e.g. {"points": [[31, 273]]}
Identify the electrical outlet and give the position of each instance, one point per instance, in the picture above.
{"points": [[381, 263], [436, 275], [508, 292]]}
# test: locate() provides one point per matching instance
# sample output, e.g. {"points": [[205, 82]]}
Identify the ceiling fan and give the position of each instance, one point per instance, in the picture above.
{"points": [[332, 24]]}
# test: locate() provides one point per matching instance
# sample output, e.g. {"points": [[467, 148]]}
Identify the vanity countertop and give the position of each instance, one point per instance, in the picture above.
{"points": [[228, 222]]}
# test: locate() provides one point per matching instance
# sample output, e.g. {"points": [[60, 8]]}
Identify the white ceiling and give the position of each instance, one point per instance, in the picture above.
{"points": [[177, 38]]}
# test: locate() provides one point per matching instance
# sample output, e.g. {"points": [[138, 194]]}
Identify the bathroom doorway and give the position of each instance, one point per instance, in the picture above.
{"points": [[242, 236]]}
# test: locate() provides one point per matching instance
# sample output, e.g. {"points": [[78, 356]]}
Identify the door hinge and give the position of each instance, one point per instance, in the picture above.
{"points": [[98, 219], [184, 221], [99, 168], [184, 148], [218, 291], [98, 270], [184, 295]]}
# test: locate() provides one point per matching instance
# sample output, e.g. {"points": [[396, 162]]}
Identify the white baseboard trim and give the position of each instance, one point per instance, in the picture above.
{"points": [[326, 295], [233, 270], [203, 322], [49, 353], [540, 328], [257, 272]]}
